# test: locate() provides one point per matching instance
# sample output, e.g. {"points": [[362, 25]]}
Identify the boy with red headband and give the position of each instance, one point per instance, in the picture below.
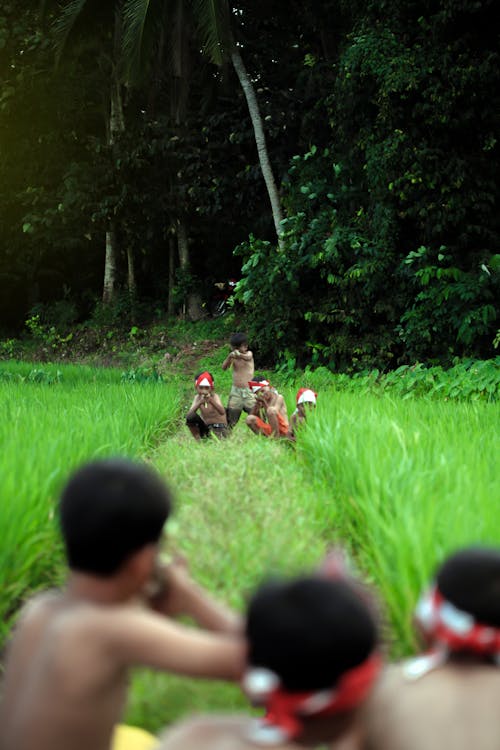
{"points": [[306, 400], [269, 415], [206, 414], [449, 696], [312, 663]]}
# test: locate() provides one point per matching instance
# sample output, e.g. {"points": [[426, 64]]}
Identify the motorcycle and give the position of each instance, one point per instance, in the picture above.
{"points": [[222, 291]]}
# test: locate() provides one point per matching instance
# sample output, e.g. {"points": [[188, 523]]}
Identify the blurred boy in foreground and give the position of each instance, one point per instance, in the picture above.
{"points": [[312, 663], [68, 664], [449, 696]]}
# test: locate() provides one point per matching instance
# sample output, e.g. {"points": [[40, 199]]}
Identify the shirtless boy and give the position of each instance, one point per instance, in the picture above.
{"points": [[269, 415], [65, 681], [306, 400], [240, 359], [206, 414], [313, 662], [450, 696]]}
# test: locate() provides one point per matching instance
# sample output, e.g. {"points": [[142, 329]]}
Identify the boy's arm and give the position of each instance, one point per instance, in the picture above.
{"points": [[245, 356], [181, 595], [194, 406], [227, 362], [134, 637], [281, 404]]}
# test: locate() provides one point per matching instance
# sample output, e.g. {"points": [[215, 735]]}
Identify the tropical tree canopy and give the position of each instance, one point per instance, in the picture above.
{"points": [[378, 128]]}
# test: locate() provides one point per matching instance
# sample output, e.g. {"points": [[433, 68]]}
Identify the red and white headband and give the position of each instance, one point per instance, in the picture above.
{"points": [[306, 395], [444, 624], [286, 711], [450, 629], [256, 385], [204, 379]]}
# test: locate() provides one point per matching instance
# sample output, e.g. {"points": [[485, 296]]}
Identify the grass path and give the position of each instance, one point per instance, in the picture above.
{"points": [[245, 508]]}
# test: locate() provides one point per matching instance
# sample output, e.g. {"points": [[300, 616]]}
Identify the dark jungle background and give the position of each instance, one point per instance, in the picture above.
{"points": [[362, 221]]}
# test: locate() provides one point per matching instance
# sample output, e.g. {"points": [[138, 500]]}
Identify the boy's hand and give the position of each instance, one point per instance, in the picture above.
{"points": [[170, 581]]}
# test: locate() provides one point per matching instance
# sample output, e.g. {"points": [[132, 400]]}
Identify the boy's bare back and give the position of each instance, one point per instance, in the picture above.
{"points": [[64, 681], [456, 706], [70, 662]]}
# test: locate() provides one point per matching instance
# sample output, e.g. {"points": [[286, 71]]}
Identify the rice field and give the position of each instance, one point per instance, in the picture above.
{"points": [[50, 425], [399, 482]]}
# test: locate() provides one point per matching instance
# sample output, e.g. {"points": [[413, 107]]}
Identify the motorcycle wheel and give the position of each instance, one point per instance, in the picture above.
{"points": [[218, 308]]}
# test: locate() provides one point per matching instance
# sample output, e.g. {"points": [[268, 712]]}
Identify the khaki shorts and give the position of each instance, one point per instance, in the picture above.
{"points": [[241, 398]]}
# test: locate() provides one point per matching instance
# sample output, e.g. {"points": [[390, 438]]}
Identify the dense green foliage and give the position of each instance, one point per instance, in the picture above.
{"points": [[381, 122]]}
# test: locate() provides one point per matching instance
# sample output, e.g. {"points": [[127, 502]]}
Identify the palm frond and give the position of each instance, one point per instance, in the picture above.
{"points": [[135, 17], [65, 23], [213, 21]]}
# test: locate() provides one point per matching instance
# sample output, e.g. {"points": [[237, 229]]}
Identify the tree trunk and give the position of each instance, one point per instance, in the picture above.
{"points": [[260, 140], [116, 125], [109, 287], [171, 275], [182, 244]]}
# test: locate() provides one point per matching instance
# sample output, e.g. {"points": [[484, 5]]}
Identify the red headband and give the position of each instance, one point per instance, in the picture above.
{"points": [[306, 394], [285, 711], [256, 385], [446, 625], [204, 379]]}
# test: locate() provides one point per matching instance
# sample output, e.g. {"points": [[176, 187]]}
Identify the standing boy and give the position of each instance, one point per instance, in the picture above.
{"points": [[240, 359], [206, 414], [269, 415], [68, 665]]}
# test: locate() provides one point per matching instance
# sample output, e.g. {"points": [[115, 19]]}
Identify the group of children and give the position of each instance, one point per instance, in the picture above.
{"points": [[265, 407], [308, 650]]}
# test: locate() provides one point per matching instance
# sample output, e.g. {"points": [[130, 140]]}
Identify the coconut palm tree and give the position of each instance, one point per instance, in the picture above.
{"points": [[212, 20]]}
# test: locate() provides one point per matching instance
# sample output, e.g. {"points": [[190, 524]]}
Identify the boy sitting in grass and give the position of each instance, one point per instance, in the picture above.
{"points": [[449, 696], [68, 664], [269, 415], [206, 414], [240, 359], [306, 400], [312, 663]]}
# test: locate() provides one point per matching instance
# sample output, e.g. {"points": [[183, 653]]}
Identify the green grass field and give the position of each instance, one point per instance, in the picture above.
{"points": [[398, 481], [48, 427]]}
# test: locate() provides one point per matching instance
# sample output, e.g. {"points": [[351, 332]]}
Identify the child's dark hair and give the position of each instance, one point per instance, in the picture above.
{"points": [[237, 339], [110, 509], [309, 631], [470, 579]]}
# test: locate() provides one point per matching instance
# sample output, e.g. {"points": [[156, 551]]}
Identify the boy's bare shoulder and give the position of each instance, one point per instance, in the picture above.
{"points": [[455, 704]]}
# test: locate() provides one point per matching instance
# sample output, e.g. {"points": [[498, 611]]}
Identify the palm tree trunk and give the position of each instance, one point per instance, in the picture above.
{"points": [[116, 126], [109, 286], [260, 140]]}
